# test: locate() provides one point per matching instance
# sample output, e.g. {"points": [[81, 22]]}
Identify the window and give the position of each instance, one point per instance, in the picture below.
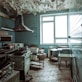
{"points": [[48, 18], [60, 29], [75, 22], [60, 25], [47, 33]]}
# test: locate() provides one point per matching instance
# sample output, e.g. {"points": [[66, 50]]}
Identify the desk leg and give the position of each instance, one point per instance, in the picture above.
{"points": [[50, 55], [59, 62]]}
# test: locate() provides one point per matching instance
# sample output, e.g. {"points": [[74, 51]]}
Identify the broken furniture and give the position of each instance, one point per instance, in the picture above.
{"points": [[37, 57], [22, 62], [53, 53], [7, 74]]}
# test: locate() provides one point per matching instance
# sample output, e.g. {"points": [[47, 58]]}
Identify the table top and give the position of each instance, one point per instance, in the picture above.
{"points": [[65, 55], [59, 49], [56, 49]]}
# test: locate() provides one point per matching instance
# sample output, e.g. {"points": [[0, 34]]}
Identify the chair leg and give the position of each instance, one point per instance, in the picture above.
{"points": [[59, 62], [43, 63]]}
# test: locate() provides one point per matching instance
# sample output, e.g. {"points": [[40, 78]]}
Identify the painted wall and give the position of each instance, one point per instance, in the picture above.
{"points": [[33, 22], [77, 63], [77, 53]]}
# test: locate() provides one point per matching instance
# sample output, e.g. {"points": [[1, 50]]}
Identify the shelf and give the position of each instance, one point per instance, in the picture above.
{"points": [[5, 38]]}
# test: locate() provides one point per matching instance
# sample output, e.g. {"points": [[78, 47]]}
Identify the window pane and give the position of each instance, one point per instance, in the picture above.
{"points": [[48, 18], [61, 40], [61, 26], [48, 33], [75, 41], [75, 25]]}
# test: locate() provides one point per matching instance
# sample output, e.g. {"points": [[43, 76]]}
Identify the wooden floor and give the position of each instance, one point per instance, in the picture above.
{"points": [[51, 73]]}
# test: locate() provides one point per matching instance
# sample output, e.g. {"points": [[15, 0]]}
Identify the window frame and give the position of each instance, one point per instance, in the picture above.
{"points": [[41, 28], [68, 14]]}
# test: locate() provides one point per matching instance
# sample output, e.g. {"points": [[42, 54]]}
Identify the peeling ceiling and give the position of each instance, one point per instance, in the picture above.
{"points": [[37, 6]]}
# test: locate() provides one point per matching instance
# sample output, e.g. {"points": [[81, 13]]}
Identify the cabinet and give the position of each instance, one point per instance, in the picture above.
{"points": [[22, 63]]}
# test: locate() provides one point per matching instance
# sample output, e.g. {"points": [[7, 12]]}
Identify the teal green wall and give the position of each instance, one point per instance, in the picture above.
{"points": [[33, 22], [9, 23]]}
